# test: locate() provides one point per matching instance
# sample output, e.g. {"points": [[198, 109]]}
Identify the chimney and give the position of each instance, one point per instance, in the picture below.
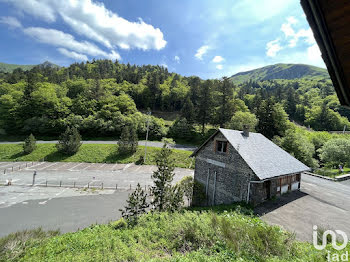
{"points": [[246, 130]]}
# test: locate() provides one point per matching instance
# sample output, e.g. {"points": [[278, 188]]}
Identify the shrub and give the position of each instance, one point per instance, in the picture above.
{"points": [[335, 152], [241, 119], [128, 143], [199, 197], [299, 146], [29, 144], [186, 184], [69, 142], [121, 223], [136, 206]]}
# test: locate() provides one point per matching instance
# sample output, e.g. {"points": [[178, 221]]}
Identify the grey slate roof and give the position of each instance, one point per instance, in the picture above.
{"points": [[265, 158]]}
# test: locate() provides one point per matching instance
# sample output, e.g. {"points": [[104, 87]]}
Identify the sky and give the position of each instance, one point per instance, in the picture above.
{"points": [[206, 38]]}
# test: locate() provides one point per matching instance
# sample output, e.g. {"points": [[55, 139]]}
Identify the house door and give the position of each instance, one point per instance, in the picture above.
{"points": [[267, 185]]}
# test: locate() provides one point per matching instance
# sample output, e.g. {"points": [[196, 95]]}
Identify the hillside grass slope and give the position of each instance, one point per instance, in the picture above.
{"points": [[282, 71], [181, 236]]}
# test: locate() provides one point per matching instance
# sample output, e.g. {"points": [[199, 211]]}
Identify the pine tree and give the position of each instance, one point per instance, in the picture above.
{"points": [[128, 143], [136, 206], [162, 179], [29, 144], [205, 103], [69, 142], [187, 111]]}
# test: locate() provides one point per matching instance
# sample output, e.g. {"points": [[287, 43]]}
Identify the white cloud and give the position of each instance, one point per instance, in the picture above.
{"points": [[218, 59], [294, 36], [177, 59], [220, 67], [61, 39], [164, 65], [273, 47], [201, 51], [314, 55], [38, 8], [72, 54], [10, 21], [94, 21]]}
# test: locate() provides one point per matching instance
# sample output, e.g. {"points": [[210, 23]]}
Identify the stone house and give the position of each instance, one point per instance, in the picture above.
{"points": [[236, 166]]}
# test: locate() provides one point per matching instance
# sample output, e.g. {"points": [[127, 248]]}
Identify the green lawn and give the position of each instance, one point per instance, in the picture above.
{"points": [[90, 153], [332, 172], [181, 236]]}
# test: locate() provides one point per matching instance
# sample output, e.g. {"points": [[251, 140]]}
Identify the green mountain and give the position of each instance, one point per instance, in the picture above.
{"points": [[281, 71], [8, 68]]}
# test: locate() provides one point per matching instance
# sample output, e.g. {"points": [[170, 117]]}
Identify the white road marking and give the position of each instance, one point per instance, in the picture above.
{"points": [[89, 165], [71, 169], [127, 166], [24, 203], [137, 169], [46, 167]]}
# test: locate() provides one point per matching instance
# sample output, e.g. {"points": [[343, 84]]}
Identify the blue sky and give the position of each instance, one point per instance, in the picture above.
{"points": [[210, 39]]}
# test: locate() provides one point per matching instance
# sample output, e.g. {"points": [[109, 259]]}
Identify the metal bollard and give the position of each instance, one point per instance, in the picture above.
{"points": [[46, 182], [74, 184], [60, 183], [116, 186], [4, 171], [102, 185], [89, 185], [12, 169], [130, 186]]}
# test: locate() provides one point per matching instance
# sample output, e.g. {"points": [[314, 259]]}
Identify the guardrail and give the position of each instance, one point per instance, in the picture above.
{"points": [[335, 179], [65, 184]]}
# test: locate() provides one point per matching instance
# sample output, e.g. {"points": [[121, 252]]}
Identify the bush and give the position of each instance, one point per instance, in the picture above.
{"points": [[199, 197], [128, 143], [241, 119], [29, 144], [336, 152], [186, 185], [69, 142], [121, 223], [181, 129], [298, 146], [136, 206]]}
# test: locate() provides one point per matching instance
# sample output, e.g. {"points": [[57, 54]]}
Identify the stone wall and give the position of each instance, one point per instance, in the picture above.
{"points": [[224, 185]]}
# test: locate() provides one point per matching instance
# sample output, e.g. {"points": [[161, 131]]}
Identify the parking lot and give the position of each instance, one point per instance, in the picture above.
{"points": [[68, 196]]}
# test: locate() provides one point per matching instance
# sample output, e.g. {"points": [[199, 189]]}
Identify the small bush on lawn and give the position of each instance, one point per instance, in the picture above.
{"points": [[29, 144], [69, 142]]}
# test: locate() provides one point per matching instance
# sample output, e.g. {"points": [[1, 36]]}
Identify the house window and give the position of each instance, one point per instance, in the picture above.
{"points": [[221, 146]]}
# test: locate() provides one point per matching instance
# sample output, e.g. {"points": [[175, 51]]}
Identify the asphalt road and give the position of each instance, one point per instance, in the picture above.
{"points": [[67, 214], [25, 207], [319, 202], [141, 143]]}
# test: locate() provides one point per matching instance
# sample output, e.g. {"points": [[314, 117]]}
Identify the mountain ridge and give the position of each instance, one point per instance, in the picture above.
{"points": [[281, 71], [8, 68]]}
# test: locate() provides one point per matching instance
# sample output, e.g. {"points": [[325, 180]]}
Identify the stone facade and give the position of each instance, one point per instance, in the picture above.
{"points": [[226, 177]]}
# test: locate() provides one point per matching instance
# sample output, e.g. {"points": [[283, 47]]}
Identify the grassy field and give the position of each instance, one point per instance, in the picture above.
{"points": [[90, 153], [182, 236]]}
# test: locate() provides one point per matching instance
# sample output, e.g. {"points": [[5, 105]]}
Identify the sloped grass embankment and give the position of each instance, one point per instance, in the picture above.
{"points": [[90, 153]]}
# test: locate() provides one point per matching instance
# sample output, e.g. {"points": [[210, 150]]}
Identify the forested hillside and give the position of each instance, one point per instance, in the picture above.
{"points": [[102, 96], [282, 71]]}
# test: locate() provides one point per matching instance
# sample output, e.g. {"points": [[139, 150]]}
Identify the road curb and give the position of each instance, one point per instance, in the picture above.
{"points": [[336, 179]]}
